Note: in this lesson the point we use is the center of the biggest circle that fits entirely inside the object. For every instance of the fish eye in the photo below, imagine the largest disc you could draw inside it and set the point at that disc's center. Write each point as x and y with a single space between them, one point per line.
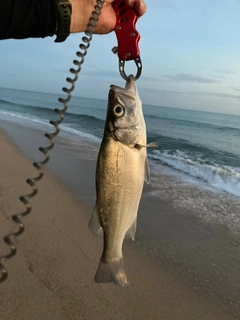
118 110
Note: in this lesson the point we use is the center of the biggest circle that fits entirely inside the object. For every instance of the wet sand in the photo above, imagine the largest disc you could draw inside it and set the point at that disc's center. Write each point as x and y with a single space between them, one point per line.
51 277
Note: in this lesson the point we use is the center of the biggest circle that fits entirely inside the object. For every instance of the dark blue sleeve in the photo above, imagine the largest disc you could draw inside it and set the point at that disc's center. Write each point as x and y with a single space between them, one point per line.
20 19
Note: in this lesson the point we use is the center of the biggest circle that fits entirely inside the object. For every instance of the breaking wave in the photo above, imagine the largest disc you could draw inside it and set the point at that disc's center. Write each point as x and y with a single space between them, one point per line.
223 178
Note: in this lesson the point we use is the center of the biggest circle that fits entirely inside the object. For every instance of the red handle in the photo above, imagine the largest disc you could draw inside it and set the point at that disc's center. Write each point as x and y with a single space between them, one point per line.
125 30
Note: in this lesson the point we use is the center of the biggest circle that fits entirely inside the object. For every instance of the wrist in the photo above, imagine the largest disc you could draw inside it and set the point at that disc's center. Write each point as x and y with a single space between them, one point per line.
64 10
80 15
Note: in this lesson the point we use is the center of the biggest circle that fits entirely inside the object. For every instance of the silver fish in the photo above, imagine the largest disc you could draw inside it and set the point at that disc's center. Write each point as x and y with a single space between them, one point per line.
122 167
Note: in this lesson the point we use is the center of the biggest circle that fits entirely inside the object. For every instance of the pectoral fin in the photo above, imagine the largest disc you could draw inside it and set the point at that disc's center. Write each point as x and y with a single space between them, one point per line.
149 145
147 172
152 145
94 223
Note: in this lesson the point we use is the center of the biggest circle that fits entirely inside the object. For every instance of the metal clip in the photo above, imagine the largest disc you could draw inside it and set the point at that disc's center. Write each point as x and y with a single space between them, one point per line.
121 64
127 36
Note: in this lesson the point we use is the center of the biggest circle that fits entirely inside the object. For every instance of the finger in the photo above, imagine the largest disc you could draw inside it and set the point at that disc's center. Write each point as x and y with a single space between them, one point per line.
138 6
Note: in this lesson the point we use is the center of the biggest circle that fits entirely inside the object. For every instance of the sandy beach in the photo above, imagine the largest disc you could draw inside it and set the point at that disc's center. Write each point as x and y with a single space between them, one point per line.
51 277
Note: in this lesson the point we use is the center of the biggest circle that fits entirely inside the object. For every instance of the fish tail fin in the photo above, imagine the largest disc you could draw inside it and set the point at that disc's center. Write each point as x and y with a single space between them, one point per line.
111 271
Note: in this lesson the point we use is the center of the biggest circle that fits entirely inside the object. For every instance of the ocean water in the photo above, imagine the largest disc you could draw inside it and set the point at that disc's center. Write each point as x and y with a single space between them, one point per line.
203 147
195 169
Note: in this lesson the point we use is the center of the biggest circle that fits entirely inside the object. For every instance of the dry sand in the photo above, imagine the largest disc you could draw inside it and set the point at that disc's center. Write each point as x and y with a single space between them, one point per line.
51 277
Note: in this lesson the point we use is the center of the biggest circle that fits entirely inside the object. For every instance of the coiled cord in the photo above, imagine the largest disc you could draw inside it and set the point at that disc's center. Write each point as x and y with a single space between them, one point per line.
38 165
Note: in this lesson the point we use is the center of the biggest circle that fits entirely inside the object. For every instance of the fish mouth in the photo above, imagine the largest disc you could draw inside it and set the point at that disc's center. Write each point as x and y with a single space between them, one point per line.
129 94
131 84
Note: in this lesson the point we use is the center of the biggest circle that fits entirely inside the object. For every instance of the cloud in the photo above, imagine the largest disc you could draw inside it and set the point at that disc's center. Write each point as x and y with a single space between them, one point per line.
161 91
235 88
180 77
223 95
223 71
173 93
187 77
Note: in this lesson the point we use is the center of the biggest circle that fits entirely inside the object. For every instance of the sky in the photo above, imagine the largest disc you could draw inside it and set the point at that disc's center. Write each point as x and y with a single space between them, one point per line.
190 51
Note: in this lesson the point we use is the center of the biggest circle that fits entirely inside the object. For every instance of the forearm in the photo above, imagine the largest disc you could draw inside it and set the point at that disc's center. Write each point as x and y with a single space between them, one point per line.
21 19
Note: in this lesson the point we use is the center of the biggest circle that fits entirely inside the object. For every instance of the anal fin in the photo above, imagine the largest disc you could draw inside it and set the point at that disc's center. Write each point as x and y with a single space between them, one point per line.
130 234
94 223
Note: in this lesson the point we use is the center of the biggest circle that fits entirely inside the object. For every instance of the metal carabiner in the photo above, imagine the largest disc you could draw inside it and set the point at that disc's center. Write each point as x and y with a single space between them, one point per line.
127 36
121 64
138 63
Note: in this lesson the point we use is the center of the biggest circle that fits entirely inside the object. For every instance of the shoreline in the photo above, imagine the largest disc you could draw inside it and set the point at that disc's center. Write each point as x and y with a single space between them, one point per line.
155 275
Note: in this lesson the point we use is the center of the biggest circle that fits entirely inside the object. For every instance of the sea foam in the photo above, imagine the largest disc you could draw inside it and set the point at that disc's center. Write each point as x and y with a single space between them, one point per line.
223 178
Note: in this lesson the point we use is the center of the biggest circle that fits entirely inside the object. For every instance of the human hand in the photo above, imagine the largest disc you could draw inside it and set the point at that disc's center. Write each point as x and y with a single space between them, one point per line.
82 10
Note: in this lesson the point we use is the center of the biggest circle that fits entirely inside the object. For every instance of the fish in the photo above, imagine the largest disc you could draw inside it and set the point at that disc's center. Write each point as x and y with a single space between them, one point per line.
122 168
